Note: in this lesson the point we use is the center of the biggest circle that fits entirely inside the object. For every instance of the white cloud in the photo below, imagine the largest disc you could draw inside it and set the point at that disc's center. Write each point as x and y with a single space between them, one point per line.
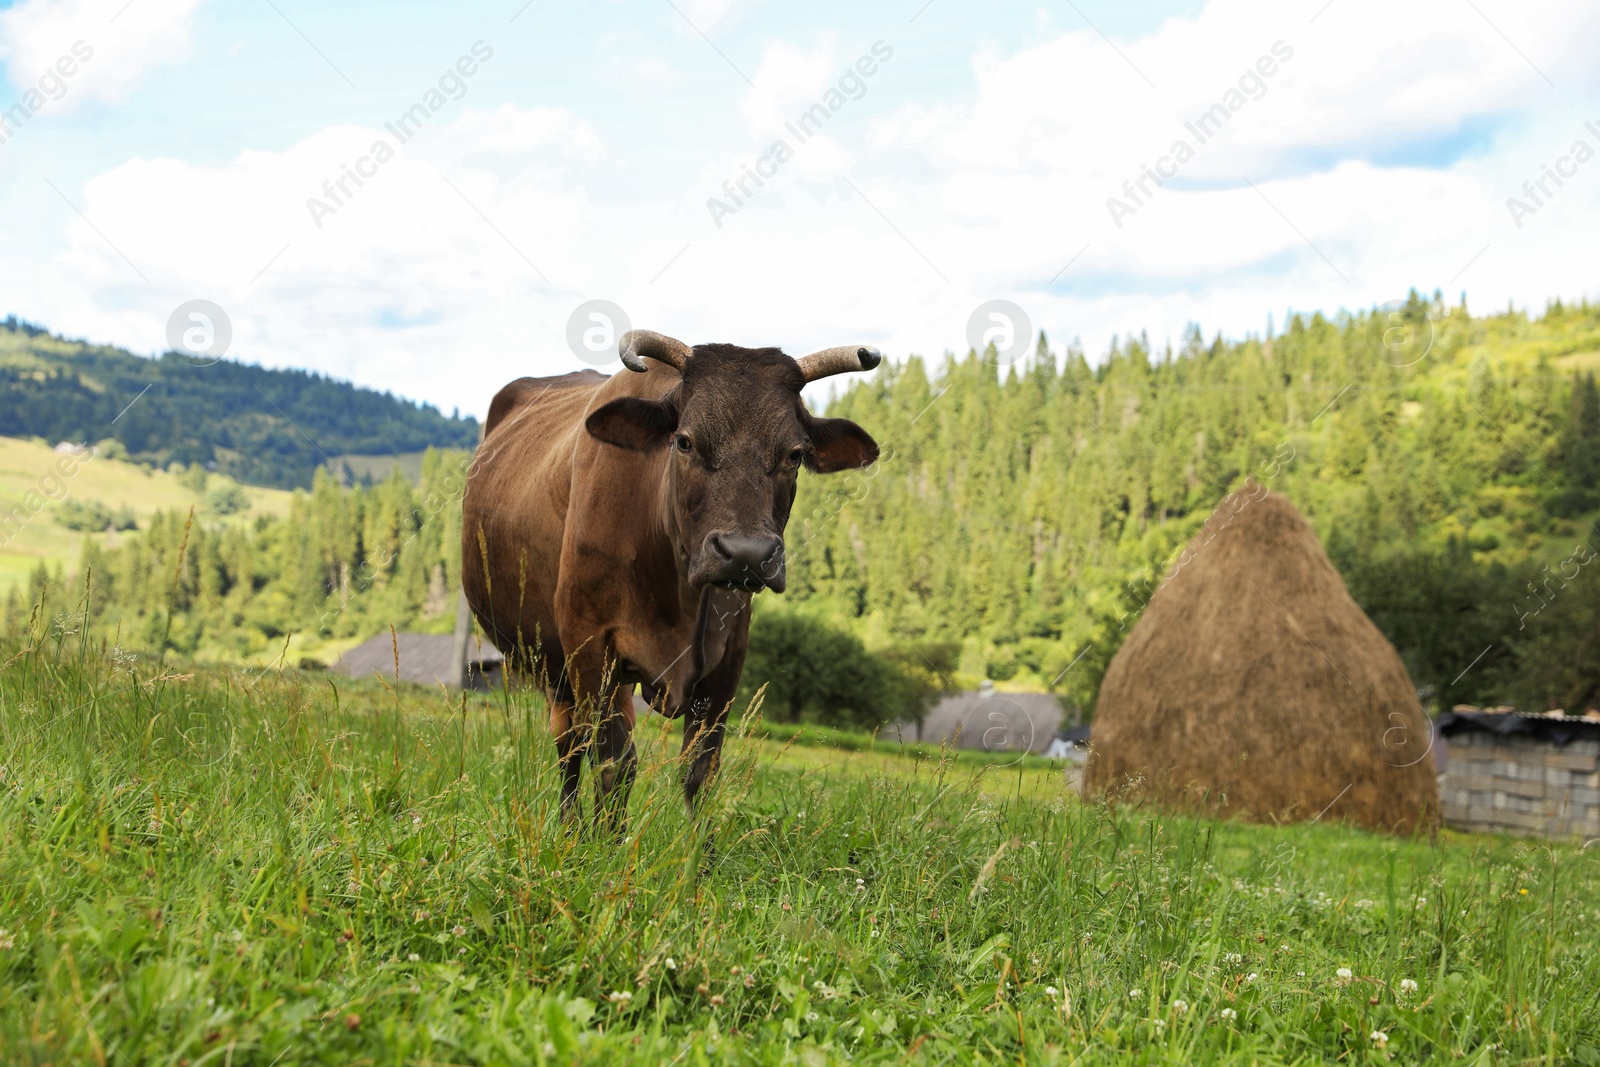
788 80
403 286
125 42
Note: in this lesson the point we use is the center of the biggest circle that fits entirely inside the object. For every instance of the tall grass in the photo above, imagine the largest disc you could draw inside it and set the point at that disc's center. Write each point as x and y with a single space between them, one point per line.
231 867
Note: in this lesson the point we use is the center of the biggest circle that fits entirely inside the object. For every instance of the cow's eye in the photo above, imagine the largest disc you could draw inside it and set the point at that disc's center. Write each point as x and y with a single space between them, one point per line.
683 442
796 454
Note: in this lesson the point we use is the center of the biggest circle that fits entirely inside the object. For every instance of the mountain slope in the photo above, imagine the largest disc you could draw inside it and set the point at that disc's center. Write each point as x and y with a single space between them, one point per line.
261 426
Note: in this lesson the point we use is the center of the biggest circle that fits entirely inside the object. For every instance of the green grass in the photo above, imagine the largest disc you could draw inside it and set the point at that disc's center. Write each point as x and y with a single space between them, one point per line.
215 866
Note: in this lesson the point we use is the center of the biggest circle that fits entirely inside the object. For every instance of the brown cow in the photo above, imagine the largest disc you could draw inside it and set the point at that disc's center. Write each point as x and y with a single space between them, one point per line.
615 529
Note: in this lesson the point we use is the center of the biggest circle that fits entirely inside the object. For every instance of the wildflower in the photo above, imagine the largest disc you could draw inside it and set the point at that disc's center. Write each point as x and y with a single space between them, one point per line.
1229 1013
1051 991
749 981
353 888
784 905
875 933
738 905
1302 974
461 951
1408 985
1364 903
1233 957
1135 994
1181 1007
415 988
811 1016
421 914
621 996
717 1001
413 957
1161 1024
672 964
235 936
1379 1038
1344 974
735 970
1524 892
1422 902
8 940
458 929
703 989
1251 977
416 820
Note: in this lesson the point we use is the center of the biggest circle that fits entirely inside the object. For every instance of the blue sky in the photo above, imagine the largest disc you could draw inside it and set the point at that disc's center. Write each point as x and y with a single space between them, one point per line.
583 160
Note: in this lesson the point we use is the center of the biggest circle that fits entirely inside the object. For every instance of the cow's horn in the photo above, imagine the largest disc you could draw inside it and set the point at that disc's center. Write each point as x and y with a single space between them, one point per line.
841 360
637 345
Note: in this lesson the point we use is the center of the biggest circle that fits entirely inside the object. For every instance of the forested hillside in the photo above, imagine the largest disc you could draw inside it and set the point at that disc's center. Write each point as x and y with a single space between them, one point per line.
1031 514
260 426
1025 518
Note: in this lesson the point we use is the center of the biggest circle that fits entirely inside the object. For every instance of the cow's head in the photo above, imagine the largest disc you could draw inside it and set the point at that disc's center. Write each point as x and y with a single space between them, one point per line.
738 434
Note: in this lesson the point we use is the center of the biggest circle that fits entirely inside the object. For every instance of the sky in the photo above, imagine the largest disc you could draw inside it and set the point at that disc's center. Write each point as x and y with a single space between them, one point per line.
743 171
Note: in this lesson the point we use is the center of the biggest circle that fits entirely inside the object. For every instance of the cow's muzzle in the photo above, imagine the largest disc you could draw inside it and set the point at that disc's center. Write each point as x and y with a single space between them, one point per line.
743 561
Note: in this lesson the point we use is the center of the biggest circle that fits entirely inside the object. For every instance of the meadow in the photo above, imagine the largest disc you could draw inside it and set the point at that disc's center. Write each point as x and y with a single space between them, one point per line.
204 865
116 483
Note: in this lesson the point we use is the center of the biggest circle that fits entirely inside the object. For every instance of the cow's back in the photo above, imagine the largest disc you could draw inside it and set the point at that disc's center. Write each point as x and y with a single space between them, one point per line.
515 508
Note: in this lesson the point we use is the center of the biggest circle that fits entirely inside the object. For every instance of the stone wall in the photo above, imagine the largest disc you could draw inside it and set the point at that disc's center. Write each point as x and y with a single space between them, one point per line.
1522 785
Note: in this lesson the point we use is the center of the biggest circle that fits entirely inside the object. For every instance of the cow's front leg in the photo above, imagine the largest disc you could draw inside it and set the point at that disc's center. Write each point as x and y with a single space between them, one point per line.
615 761
703 729
571 740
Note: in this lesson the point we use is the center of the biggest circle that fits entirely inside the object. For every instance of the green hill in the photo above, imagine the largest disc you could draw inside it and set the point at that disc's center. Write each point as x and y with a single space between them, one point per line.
1032 514
261 426
52 525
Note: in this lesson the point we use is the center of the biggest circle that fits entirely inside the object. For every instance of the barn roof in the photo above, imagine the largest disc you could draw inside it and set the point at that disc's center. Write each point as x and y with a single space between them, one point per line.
424 658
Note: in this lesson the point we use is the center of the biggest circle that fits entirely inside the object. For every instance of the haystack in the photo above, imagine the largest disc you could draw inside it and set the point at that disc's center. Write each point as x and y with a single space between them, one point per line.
1254 686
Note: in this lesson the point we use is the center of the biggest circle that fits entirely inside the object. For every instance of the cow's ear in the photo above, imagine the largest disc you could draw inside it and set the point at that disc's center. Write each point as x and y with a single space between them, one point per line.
839 445
633 422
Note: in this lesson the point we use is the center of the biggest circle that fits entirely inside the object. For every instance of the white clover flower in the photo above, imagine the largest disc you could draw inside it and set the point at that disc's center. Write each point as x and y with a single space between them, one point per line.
1408 985
1161 1024
672 964
621 996
1344 974
458 929
811 1016
1251 977
1379 1038
1364 903
413 957
416 820
1135 994
1233 957
1051 991
8 940
1181 1007
1228 1013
